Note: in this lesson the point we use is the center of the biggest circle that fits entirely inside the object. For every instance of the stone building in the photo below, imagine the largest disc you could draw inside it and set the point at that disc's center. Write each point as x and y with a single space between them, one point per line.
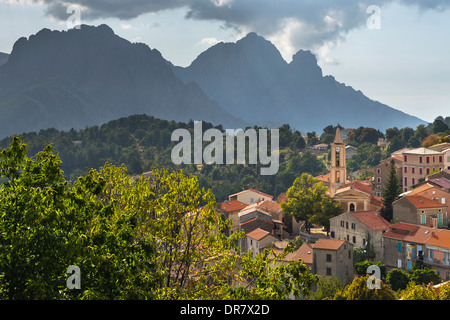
360 228
419 210
333 258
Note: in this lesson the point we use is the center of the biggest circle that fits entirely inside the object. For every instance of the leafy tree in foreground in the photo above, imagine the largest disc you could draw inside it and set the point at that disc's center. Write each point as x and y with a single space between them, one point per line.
156 238
418 292
358 290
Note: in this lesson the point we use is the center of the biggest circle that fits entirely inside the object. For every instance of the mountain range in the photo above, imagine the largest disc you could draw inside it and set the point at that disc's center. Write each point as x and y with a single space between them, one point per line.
89 76
251 80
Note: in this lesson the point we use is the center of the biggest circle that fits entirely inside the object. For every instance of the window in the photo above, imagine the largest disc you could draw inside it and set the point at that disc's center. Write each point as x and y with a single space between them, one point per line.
405 169
342 223
379 171
428 171
443 200
399 246
406 181
422 219
420 160
413 181
420 171
405 158
332 234
349 254
328 271
346 224
352 208
399 263
413 170
354 239
379 180
328 257
440 159
353 226
428 159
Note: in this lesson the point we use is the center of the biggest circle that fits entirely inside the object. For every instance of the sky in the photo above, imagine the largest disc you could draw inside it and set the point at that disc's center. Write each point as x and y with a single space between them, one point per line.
394 51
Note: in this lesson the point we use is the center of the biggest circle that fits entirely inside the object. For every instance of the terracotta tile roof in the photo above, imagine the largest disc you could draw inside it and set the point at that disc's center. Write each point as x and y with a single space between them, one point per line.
282 197
378 201
356 185
231 206
305 253
330 244
406 227
441 239
394 235
422 202
258 234
371 219
323 177
254 190
270 205
422 234
400 230
359 185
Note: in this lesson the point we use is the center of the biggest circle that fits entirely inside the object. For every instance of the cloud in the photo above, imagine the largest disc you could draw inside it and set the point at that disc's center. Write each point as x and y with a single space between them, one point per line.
290 24
209 41
125 26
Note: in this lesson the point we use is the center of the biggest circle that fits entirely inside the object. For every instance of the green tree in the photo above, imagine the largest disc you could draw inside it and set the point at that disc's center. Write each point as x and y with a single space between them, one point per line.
326 288
391 191
397 279
439 126
444 291
361 267
157 238
424 276
418 292
329 208
305 199
359 290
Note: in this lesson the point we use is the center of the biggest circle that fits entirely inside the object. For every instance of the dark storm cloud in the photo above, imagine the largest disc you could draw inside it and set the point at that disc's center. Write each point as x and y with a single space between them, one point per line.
321 21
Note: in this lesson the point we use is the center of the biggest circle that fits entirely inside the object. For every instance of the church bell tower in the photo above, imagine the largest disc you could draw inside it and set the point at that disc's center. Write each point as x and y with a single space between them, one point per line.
338 172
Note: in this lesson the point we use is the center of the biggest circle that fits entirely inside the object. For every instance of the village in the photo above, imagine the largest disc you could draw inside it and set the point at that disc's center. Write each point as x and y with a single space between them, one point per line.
418 229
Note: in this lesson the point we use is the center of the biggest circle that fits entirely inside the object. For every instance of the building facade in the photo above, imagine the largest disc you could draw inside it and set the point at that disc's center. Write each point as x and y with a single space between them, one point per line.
381 173
419 163
333 258
361 228
420 211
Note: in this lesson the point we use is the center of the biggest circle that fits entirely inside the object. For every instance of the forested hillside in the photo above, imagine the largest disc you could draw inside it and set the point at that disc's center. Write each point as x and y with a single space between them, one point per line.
142 142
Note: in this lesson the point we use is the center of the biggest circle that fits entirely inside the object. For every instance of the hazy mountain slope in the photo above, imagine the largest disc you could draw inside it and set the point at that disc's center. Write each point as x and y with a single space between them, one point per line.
3 57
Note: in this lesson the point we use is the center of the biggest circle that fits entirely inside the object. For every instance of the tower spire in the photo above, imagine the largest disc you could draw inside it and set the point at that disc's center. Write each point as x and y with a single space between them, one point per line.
338 137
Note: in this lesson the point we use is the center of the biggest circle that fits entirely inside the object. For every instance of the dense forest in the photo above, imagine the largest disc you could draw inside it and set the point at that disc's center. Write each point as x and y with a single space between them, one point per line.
142 142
